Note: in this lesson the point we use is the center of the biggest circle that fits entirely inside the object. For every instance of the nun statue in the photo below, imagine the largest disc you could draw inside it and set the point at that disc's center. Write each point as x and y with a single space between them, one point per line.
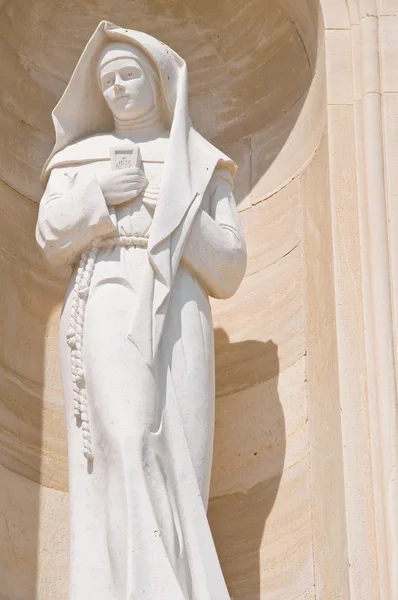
141 206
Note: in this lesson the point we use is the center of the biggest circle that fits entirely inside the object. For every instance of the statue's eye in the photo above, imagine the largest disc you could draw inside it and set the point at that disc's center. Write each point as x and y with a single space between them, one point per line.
108 81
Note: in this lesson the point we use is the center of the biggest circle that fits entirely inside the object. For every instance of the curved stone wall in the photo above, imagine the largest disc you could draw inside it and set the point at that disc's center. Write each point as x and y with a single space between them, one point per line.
257 75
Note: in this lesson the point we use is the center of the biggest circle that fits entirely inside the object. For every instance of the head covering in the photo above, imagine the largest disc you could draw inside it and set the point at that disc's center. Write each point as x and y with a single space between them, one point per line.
189 165
116 50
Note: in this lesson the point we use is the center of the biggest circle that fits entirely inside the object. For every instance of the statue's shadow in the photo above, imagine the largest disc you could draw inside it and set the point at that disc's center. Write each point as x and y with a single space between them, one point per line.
238 517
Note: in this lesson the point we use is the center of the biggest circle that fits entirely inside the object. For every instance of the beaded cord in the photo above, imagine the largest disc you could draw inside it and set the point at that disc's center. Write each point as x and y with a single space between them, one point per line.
74 335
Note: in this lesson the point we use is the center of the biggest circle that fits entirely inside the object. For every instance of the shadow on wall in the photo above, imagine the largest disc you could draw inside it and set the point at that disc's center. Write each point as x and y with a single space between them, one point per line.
257 61
29 294
238 519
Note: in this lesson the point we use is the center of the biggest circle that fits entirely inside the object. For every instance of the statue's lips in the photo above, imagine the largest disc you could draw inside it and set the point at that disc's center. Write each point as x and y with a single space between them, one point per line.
120 98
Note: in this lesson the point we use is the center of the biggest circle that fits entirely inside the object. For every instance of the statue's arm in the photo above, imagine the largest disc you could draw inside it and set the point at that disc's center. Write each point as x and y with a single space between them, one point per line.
215 250
72 213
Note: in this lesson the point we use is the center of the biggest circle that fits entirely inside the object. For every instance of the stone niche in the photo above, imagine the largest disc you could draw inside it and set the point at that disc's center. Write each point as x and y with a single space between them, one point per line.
258 90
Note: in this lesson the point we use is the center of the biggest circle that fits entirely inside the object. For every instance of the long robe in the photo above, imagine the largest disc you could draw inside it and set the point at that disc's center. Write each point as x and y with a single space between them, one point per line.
138 512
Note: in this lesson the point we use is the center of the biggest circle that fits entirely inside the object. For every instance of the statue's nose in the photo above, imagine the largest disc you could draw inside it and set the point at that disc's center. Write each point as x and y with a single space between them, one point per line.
118 85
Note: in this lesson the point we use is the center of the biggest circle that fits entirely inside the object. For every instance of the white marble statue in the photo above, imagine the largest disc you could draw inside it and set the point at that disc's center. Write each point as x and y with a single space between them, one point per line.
142 207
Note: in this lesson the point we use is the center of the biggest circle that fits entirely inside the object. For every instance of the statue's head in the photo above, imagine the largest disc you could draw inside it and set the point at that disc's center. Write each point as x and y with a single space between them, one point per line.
128 82
125 81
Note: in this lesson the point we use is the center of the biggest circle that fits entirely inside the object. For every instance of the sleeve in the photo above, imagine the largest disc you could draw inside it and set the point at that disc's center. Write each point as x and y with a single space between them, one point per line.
72 213
215 251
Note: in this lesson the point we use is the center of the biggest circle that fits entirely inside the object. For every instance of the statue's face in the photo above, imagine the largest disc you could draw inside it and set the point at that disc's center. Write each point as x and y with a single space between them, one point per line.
126 88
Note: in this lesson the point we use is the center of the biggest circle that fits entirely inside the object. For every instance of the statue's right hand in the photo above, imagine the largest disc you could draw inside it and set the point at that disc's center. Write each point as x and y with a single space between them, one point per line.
122 185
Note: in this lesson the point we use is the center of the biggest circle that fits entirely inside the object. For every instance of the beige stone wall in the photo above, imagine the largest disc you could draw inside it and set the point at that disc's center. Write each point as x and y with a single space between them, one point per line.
304 96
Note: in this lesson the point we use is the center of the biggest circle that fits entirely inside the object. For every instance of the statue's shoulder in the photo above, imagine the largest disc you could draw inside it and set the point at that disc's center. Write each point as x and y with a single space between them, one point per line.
85 150
199 144
89 149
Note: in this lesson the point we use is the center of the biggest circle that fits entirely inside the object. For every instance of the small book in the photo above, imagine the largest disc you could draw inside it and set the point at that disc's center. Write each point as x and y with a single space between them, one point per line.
125 157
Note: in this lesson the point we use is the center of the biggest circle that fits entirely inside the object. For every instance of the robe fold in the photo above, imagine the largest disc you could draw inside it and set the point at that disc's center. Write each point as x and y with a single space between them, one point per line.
138 525
138 517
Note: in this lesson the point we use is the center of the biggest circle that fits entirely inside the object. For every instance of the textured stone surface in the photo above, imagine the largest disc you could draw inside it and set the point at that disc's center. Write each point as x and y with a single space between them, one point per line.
259 333
281 342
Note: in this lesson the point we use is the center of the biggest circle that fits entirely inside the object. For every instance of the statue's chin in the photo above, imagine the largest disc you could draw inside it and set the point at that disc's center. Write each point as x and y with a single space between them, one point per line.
124 113
128 113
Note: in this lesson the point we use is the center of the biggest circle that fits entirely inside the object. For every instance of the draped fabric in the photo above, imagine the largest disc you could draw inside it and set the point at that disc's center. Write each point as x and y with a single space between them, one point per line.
138 511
